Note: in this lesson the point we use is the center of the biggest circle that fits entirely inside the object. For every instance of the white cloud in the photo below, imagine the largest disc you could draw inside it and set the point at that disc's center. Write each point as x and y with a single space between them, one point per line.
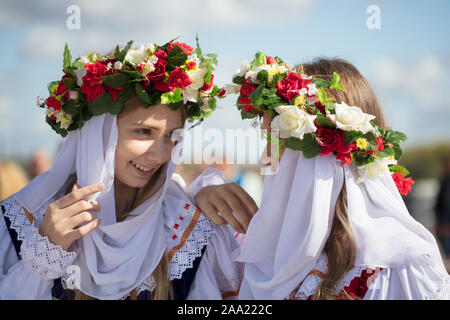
106 23
424 80
143 13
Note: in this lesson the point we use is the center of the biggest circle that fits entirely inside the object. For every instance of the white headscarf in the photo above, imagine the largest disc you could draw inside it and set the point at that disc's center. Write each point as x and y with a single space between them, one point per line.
116 257
288 233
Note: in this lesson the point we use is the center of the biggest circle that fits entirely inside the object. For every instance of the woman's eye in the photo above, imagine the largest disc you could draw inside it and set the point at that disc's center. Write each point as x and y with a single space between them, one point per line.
144 131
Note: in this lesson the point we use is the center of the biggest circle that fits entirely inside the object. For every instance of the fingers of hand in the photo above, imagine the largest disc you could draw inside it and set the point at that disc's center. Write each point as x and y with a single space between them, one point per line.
238 207
227 213
211 212
84 230
247 200
78 194
79 219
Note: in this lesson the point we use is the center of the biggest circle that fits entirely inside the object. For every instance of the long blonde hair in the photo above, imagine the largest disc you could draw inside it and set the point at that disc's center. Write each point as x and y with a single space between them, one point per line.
340 246
163 290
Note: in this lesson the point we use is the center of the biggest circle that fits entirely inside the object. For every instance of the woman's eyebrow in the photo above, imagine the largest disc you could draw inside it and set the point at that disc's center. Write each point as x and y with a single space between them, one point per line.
142 124
149 126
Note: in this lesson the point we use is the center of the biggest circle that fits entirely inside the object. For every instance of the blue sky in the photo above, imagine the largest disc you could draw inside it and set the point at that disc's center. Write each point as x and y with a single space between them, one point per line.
407 61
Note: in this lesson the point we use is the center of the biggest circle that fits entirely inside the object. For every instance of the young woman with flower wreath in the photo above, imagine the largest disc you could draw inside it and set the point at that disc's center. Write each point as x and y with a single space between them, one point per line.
332 223
110 219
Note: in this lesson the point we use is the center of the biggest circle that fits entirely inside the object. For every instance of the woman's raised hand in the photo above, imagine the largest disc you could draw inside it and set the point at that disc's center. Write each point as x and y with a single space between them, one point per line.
64 219
227 203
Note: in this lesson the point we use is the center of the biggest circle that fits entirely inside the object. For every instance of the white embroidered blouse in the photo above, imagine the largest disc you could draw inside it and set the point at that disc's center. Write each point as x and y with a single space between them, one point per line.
188 229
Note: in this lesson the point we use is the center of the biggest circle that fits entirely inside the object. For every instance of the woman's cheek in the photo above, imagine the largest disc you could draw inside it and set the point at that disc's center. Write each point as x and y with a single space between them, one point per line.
136 148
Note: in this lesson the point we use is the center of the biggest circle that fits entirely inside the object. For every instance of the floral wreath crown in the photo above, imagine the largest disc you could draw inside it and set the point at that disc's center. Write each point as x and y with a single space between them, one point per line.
174 74
310 121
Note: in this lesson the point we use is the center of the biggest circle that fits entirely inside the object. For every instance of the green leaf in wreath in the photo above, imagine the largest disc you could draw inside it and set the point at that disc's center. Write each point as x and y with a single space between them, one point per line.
308 145
399 168
126 93
176 57
293 143
101 104
398 151
323 121
52 86
259 60
238 80
70 107
67 61
117 53
124 52
386 152
322 96
248 115
215 91
321 83
351 136
69 82
263 76
115 107
256 94
55 127
142 94
394 137
197 50
335 82
117 80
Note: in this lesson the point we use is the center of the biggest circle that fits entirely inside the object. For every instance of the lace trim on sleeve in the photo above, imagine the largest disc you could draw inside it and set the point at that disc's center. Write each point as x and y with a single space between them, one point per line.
45 258
189 235
312 281
48 260
148 284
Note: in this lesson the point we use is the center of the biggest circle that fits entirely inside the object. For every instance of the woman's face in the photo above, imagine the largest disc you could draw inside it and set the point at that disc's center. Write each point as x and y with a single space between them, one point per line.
144 143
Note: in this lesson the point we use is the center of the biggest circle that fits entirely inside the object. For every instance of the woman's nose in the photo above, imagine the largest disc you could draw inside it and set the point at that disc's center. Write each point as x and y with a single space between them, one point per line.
159 151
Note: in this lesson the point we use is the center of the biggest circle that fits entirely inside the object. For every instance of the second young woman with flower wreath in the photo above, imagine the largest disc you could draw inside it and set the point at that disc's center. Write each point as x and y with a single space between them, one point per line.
332 223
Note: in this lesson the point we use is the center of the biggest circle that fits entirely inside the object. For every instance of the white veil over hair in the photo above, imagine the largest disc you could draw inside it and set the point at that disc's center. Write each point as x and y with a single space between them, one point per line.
288 233
117 256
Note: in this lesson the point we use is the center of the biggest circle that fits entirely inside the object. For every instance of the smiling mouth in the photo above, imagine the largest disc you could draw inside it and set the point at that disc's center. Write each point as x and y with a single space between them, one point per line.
141 168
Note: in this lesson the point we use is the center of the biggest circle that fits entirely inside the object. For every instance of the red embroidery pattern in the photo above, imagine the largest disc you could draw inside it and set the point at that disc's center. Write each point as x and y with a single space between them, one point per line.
228 294
186 234
29 215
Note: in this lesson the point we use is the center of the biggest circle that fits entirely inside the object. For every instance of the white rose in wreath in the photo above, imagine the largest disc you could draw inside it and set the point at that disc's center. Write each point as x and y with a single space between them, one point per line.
293 122
136 55
349 118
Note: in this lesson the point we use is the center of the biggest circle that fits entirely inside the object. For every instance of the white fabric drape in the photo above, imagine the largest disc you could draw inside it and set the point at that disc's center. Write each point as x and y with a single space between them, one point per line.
287 235
115 257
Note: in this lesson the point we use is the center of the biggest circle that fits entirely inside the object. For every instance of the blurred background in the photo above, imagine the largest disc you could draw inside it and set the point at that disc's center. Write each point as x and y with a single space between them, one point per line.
402 47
